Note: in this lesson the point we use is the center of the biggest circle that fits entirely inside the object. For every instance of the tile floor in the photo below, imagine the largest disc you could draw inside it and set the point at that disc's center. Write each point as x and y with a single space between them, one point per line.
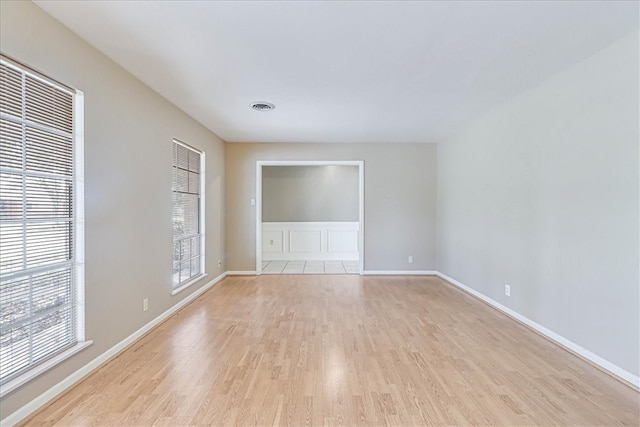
311 267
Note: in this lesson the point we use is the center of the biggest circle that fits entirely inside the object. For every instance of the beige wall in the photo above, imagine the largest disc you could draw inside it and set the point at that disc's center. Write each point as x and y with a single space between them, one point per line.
310 193
399 201
542 194
128 134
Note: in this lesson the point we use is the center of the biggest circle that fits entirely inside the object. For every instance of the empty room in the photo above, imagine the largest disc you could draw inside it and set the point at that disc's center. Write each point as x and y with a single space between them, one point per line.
286 213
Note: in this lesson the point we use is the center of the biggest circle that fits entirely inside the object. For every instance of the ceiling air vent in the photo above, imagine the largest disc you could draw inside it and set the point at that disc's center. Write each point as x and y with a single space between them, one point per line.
262 106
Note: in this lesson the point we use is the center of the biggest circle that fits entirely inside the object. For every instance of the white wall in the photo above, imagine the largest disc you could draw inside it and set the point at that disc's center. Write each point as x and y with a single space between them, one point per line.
542 194
128 163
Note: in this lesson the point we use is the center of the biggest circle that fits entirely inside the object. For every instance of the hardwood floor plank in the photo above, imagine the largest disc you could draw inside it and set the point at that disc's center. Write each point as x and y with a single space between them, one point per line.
342 350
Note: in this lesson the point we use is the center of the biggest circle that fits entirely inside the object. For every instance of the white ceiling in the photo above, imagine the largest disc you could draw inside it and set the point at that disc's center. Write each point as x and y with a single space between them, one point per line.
344 71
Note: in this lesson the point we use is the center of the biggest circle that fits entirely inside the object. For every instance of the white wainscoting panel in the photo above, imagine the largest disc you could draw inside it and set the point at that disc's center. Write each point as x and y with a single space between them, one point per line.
310 241
305 241
273 241
342 241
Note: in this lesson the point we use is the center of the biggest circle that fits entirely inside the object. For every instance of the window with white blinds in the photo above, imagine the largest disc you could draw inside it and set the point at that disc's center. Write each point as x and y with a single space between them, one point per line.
38 283
188 225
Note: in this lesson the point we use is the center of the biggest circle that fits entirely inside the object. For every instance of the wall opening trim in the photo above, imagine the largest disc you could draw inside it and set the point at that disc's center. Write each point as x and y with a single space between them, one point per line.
261 163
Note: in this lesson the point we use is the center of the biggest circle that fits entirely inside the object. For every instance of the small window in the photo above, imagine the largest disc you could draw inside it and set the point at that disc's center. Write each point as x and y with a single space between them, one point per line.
188 206
41 257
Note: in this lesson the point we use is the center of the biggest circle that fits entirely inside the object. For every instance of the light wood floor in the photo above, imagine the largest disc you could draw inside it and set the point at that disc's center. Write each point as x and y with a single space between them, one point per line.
343 350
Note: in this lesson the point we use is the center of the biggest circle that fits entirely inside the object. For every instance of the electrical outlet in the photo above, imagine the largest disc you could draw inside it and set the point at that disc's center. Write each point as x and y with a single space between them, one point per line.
145 304
507 290
219 264
410 259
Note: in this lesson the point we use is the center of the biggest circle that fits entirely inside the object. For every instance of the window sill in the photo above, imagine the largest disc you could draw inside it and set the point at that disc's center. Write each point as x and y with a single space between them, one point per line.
189 283
43 367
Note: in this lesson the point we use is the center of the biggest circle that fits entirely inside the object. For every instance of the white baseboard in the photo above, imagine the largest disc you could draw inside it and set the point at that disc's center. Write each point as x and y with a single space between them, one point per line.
241 273
559 339
87 369
400 273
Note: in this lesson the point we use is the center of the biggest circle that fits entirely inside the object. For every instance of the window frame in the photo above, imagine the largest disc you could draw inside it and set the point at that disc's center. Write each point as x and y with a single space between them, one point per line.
177 288
77 262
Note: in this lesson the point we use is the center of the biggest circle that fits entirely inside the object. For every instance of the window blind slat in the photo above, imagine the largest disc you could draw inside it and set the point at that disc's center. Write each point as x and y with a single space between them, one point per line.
12 247
194 183
182 156
37 289
14 301
48 105
194 161
186 214
51 327
51 289
10 91
48 198
195 245
47 243
11 196
10 144
47 152
182 180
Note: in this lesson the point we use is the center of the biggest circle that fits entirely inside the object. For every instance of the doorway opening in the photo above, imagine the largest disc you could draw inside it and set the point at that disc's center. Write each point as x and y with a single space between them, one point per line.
305 225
